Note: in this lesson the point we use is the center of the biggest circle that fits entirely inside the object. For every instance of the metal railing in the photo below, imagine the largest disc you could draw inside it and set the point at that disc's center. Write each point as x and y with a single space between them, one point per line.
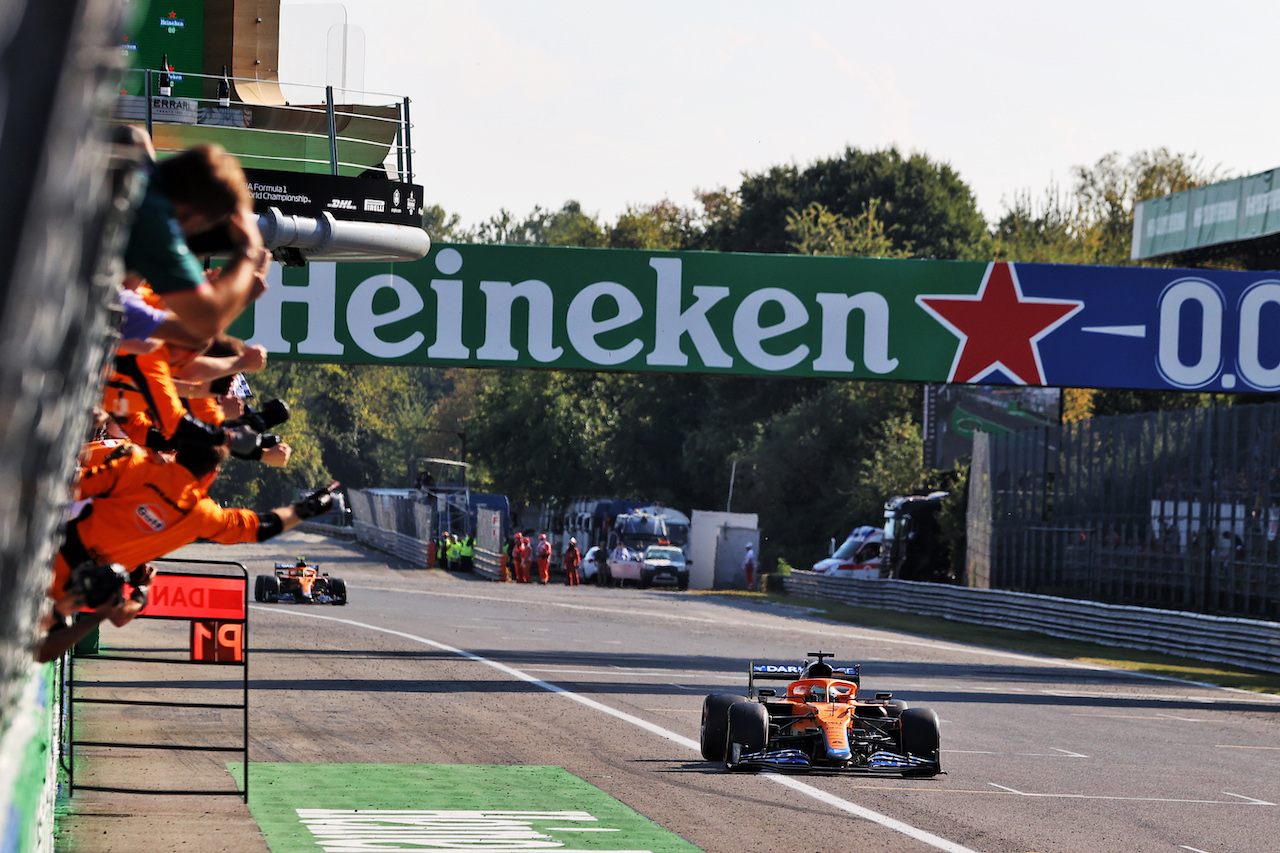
323 126
77 692
1250 643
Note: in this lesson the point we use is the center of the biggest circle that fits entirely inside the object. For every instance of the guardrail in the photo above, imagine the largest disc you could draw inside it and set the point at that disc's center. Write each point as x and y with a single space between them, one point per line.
487 564
407 548
320 528
1250 643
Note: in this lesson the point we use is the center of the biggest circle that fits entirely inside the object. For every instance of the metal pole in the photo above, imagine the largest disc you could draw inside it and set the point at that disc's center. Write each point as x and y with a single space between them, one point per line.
400 151
728 507
147 87
333 132
244 665
408 144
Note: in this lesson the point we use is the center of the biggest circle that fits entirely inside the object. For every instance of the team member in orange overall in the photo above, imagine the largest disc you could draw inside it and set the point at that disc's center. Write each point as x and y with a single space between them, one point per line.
544 559
518 558
147 383
572 559
145 506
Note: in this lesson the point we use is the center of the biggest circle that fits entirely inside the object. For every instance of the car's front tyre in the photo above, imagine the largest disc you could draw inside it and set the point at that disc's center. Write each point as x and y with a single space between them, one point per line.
338 590
748 732
714 732
920 738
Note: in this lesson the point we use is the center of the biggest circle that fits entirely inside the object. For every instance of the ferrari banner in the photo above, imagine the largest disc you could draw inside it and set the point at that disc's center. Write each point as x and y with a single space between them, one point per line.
782 315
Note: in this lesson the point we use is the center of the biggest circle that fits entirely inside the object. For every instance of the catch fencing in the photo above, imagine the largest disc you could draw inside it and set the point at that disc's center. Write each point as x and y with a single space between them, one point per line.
1250 643
1172 510
393 522
398 523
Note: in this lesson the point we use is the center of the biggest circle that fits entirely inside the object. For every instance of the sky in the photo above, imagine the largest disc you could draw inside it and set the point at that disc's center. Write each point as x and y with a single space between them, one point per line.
623 103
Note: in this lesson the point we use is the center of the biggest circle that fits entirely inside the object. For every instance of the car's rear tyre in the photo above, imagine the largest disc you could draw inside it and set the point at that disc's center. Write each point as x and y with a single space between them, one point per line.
270 588
748 732
895 707
920 738
715 724
338 590
258 585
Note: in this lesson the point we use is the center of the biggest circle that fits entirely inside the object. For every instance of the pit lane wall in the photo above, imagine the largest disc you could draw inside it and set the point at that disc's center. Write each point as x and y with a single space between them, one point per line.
28 768
1251 643
60 230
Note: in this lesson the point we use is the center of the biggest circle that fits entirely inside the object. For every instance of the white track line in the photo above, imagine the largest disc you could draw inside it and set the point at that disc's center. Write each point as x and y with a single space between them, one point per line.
843 805
851 632
1249 801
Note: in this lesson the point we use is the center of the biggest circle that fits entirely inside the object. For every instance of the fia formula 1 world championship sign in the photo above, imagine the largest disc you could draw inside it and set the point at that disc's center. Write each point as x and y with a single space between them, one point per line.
783 315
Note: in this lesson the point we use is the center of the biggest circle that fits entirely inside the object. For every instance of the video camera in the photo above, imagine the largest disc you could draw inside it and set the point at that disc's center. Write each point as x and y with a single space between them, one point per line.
272 413
97 582
318 502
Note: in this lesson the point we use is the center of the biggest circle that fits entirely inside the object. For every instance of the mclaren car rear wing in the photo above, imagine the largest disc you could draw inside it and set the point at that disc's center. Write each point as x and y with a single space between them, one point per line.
793 672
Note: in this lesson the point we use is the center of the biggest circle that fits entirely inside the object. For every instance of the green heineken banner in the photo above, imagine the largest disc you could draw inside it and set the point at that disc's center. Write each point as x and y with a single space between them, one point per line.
785 315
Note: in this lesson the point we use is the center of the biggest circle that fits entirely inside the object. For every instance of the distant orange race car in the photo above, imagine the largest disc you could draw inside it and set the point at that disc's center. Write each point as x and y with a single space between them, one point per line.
300 583
818 722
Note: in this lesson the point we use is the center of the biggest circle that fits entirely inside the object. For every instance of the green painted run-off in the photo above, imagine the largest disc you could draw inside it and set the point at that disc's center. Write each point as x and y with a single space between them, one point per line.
355 808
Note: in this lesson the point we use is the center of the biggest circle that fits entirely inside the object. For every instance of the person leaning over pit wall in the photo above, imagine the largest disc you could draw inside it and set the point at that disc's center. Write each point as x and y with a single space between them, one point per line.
221 401
144 506
149 383
192 192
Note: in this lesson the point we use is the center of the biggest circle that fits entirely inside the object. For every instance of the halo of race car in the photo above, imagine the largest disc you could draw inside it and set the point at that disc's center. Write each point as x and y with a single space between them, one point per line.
818 723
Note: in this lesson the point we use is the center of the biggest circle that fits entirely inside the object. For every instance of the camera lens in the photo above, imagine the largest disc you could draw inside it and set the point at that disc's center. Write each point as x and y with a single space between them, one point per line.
274 412
97 582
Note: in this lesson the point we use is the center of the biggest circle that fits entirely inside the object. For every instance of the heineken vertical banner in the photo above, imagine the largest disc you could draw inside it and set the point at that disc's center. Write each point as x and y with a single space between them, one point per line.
782 315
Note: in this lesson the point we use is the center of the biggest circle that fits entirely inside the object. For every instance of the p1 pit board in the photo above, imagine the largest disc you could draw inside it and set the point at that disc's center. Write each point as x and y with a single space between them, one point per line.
359 808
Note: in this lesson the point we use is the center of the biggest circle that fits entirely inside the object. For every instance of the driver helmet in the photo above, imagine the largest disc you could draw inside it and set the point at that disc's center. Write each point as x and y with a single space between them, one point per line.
573 540
542 536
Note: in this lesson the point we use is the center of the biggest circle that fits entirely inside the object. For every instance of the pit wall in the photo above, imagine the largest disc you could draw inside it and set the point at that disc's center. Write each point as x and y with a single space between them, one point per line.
28 765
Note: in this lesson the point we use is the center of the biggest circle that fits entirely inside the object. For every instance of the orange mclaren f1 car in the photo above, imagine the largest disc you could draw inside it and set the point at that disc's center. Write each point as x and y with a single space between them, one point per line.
300 583
819 722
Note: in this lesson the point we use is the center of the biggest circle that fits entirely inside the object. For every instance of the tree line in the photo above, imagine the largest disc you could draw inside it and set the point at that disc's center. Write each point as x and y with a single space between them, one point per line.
813 457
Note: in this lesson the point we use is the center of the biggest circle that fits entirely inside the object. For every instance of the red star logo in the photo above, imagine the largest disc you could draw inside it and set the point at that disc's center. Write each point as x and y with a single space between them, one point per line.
998 328
173 14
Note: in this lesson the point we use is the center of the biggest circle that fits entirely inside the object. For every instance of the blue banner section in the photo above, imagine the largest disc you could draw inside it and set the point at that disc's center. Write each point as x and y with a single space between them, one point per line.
1160 328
